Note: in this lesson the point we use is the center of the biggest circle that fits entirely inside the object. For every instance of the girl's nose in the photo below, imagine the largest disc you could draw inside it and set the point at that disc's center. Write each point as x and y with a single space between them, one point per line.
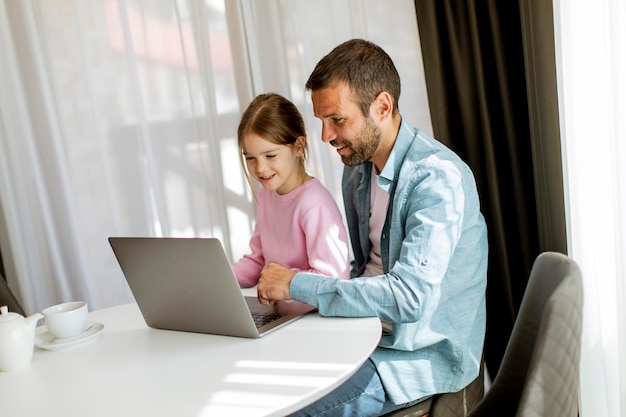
259 167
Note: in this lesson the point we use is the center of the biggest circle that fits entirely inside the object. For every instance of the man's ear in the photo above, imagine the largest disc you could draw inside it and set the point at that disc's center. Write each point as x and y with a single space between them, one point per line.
382 107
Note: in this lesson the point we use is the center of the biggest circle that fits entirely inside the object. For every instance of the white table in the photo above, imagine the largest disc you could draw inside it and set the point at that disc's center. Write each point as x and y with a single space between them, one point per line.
132 370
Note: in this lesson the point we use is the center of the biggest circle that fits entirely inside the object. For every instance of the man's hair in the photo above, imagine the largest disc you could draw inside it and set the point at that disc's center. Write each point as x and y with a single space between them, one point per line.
364 66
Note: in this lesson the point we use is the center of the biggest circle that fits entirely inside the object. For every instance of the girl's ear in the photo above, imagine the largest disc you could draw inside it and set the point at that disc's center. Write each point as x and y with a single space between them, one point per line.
299 146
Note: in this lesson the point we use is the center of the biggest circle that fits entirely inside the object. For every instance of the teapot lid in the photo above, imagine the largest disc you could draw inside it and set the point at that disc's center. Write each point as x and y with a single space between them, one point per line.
6 316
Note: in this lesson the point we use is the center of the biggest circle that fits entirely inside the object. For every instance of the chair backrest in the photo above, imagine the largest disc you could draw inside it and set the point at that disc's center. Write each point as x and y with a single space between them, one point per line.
7 298
539 373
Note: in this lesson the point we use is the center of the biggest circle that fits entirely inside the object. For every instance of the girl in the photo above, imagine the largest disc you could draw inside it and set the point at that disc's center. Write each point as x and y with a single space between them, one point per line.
298 223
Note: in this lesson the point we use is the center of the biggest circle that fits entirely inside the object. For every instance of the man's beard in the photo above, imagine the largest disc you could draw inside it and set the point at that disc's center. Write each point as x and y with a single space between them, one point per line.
363 149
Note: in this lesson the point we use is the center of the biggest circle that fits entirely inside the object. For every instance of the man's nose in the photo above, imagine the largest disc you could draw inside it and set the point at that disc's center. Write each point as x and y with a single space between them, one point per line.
328 133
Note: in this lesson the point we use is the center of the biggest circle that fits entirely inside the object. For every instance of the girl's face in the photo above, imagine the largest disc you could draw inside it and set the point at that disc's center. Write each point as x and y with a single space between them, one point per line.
276 167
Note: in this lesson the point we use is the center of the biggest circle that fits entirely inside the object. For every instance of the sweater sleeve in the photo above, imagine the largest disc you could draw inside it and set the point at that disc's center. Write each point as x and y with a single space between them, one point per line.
248 268
326 239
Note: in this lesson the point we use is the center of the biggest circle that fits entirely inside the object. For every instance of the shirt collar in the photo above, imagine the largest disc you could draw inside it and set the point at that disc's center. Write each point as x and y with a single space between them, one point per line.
391 170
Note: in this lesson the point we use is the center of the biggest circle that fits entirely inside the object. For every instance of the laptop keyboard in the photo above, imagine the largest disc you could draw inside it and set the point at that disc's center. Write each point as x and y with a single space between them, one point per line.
261 319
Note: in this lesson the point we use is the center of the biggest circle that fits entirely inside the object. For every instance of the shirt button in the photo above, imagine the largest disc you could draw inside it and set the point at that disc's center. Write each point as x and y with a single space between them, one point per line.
424 262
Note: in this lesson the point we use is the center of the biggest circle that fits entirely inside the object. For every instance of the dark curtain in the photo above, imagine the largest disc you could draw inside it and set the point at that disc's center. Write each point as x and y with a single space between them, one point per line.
474 65
2 273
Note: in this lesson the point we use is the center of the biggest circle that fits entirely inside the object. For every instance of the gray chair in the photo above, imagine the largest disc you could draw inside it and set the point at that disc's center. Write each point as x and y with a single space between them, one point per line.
539 373
7 298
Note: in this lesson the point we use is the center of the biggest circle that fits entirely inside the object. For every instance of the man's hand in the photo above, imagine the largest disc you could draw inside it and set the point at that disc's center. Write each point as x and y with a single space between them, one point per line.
274 284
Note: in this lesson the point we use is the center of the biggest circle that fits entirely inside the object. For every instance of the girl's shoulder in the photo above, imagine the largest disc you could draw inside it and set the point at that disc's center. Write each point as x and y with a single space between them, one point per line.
314 187
314 194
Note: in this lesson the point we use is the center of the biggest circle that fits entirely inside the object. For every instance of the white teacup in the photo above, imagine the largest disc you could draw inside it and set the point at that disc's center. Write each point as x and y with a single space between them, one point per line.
66 319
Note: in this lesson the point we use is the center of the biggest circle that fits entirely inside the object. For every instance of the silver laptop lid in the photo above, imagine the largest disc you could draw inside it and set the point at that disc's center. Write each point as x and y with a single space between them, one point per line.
187 284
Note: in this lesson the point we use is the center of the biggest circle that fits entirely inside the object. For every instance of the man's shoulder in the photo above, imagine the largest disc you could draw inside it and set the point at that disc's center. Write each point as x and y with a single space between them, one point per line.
426 152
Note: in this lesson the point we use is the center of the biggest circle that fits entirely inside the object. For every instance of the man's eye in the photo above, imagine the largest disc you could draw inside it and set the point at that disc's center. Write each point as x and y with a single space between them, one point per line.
270 156
337 120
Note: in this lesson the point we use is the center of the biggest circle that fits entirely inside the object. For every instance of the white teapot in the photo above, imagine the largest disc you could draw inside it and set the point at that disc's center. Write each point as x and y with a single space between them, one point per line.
17 339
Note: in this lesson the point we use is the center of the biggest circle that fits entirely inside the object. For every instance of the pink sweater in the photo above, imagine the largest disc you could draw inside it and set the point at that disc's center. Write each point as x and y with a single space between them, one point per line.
301 230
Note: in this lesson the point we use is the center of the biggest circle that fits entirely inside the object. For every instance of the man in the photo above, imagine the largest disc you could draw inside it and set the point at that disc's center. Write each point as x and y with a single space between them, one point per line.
418 237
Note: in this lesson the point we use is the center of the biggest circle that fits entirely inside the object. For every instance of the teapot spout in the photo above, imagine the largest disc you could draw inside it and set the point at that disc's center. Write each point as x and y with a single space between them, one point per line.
31 321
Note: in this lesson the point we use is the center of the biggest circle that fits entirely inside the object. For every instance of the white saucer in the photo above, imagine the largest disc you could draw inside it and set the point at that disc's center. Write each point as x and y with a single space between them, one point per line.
47 341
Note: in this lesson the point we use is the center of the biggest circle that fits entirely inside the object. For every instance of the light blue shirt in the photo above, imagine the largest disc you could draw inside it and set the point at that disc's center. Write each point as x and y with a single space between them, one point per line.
434 254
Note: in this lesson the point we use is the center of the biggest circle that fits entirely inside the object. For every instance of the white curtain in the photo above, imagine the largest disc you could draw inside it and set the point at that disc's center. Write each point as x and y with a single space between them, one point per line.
591 57
119 117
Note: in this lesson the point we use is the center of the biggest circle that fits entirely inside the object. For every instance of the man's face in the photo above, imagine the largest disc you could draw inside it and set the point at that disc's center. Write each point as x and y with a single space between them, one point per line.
355 137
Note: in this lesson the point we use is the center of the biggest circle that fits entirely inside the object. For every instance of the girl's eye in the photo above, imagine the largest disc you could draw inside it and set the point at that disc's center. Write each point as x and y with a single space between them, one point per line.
270 156
249 158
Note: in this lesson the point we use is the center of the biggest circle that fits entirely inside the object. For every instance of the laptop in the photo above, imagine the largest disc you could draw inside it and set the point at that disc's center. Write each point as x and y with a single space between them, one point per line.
187 284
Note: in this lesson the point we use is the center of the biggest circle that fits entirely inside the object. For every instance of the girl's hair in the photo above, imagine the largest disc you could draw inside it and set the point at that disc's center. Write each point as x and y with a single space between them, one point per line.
276 120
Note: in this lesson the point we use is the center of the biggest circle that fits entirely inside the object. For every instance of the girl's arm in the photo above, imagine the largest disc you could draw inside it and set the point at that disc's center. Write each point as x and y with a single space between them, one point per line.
326 240
248 268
